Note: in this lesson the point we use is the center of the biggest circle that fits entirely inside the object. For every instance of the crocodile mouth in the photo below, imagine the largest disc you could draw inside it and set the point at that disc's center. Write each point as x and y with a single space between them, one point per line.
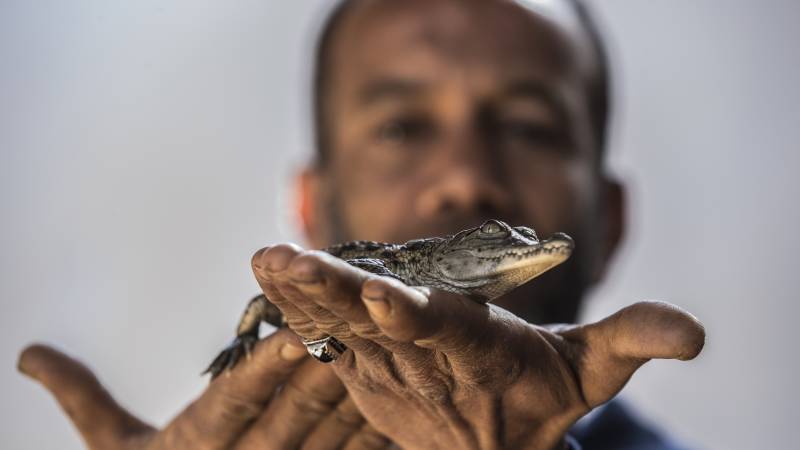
510 265
534 263
559 244
524 253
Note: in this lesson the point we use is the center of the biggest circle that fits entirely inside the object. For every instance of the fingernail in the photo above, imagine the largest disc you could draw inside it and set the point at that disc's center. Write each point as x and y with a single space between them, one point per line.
377 307
374 289
257 260
278 259
376 299
21 368
292 352
25 362
304 271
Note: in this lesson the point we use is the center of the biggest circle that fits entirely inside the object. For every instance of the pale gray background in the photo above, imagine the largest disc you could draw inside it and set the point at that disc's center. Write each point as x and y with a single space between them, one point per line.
148 147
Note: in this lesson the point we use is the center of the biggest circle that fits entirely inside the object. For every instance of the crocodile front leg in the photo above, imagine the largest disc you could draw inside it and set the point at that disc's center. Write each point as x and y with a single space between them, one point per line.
258 310
375 266
261 309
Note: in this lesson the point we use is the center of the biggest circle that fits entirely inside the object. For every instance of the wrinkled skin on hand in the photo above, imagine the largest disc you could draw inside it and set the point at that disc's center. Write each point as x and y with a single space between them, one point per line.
239 411
434 370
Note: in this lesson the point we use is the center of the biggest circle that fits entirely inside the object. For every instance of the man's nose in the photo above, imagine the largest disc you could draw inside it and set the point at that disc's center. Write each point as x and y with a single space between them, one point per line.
465 179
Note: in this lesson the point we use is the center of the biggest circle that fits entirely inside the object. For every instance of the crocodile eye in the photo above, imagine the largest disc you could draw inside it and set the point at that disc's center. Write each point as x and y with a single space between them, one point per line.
491 228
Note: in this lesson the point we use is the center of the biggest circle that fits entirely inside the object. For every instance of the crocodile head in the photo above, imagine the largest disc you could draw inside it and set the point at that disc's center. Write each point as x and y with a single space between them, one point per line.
487 261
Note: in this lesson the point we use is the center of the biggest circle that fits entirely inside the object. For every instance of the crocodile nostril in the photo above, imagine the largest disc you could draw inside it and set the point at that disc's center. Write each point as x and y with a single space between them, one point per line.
565 238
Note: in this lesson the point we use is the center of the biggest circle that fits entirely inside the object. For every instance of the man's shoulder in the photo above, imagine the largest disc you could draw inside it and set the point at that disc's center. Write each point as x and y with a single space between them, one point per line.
616 426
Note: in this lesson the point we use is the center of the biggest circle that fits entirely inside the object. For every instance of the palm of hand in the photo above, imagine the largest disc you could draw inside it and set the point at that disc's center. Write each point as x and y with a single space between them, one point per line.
498 390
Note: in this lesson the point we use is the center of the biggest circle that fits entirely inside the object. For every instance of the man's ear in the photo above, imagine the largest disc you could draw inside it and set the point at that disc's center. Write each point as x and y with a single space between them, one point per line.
613 214
308 188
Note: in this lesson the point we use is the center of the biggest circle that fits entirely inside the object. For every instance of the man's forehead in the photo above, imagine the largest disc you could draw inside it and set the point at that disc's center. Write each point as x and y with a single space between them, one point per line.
501 35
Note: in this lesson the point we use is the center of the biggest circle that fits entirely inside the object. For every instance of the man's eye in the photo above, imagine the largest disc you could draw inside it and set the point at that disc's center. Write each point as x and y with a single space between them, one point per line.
527 133
402 131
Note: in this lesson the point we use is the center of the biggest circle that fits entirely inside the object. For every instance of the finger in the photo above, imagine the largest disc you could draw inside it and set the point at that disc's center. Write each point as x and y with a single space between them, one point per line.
267 264
336 428
289 284
294 291
329 292
232 402
607 353
367 438
309 395
101 421
446 322
454 331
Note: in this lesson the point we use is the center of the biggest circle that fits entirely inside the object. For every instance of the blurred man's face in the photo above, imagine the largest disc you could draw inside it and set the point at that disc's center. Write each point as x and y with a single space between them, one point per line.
445 113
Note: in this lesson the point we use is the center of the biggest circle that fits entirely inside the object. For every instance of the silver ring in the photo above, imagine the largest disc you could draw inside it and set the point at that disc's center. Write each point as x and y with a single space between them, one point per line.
327 349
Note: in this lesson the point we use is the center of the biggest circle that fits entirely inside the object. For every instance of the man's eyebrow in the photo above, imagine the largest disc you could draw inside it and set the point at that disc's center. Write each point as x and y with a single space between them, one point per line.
537 91
388 88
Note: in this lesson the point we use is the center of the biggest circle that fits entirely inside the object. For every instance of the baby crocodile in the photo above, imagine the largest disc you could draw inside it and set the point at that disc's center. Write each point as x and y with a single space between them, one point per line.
482 263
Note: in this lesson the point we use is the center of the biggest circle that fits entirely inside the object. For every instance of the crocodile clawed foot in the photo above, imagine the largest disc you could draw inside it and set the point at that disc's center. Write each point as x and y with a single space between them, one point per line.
241 346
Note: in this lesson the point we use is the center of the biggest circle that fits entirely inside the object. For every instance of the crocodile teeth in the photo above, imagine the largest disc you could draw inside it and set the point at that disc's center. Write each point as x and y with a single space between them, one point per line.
544 249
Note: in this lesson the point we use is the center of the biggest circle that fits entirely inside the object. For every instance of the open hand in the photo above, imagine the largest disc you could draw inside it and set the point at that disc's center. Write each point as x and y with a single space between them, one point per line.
436 370
244 410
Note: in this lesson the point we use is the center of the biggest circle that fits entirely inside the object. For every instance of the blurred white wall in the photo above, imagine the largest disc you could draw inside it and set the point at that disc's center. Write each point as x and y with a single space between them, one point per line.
146 150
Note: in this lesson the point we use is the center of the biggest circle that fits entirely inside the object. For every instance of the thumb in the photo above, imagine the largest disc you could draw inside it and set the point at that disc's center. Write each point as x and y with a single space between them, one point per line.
608 352
101 421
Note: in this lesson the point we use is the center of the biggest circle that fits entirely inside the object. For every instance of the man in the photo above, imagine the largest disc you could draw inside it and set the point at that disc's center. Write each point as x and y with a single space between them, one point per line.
432 116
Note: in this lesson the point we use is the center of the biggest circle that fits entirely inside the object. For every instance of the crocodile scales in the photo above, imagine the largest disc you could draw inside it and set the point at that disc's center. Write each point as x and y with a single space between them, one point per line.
481 263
